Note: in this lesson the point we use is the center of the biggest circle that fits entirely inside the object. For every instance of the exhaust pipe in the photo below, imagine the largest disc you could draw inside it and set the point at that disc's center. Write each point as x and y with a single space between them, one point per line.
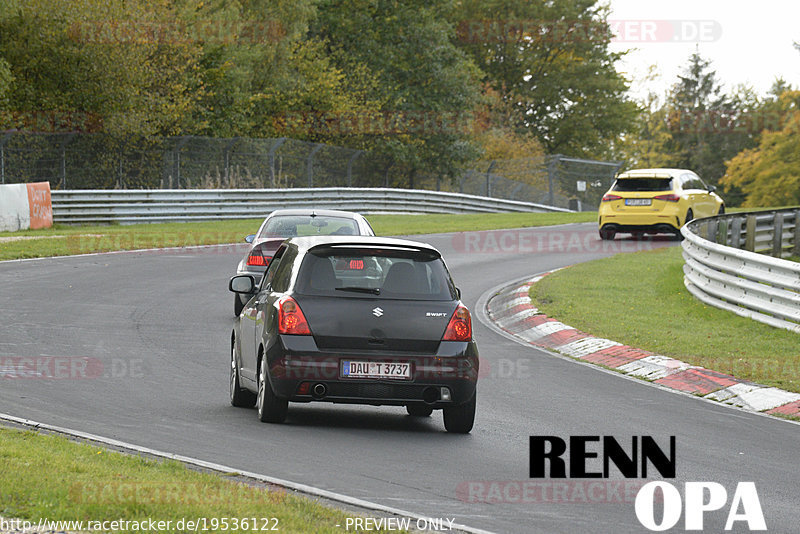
430 395
319 390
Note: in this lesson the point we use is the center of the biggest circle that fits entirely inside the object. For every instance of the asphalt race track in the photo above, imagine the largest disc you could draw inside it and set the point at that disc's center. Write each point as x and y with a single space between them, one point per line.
154 329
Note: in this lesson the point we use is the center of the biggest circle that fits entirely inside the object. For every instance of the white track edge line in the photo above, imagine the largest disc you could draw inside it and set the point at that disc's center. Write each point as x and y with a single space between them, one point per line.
301 488
132 251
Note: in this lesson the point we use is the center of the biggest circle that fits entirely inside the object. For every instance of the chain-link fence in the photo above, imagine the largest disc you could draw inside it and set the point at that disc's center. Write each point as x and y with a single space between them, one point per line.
97 161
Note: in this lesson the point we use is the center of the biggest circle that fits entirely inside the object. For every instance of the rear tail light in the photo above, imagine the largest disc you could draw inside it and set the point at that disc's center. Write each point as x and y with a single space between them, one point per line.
255 258
669 198
609 197
291 319
460 326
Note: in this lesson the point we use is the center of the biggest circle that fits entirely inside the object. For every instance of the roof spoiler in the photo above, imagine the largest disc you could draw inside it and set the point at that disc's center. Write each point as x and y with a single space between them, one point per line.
365 246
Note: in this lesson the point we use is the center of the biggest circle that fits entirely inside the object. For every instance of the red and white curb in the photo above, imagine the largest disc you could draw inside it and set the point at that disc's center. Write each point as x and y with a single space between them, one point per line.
511 310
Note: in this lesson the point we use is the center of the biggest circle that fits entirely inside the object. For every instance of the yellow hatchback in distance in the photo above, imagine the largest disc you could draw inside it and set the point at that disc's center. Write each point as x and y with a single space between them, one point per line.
655 201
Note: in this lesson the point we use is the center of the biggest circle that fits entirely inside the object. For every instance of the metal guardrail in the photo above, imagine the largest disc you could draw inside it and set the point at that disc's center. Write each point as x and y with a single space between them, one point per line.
735 262
170 205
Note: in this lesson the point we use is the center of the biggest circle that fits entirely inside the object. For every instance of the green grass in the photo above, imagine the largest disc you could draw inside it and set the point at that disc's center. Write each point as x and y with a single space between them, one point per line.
439 223
740 210
51 477
66 240
639 300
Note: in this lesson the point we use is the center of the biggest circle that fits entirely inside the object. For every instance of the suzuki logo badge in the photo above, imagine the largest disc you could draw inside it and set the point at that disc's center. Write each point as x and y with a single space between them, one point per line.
377 312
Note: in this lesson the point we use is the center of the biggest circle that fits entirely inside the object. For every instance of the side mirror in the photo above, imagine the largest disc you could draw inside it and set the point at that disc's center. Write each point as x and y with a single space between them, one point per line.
250 238
711 188
458 293
244 283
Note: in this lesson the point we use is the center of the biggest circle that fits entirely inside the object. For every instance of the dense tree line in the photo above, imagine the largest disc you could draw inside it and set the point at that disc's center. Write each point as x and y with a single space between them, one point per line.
744 142
433 85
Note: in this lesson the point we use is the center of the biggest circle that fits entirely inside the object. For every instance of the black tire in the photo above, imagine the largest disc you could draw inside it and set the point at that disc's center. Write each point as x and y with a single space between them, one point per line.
238 305
689 216
419 410
607 235
271 409
459 419
241 398
721 209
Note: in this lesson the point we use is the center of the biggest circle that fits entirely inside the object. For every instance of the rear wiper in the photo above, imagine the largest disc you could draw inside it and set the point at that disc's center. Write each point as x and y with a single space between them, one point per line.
373 290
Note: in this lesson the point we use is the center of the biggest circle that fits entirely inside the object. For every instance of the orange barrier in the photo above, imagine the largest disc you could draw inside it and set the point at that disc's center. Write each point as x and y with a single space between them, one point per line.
24 206
41 208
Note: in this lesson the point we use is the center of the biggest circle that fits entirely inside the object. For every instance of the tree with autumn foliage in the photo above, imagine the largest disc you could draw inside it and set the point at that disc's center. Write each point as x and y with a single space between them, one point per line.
698 126
769 175
218 68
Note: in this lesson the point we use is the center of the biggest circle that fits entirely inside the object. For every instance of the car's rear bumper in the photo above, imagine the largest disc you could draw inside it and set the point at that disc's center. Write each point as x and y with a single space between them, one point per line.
663 228
634 222
298 361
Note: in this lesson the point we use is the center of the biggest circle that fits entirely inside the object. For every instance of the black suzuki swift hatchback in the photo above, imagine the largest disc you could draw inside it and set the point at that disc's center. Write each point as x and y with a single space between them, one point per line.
360 320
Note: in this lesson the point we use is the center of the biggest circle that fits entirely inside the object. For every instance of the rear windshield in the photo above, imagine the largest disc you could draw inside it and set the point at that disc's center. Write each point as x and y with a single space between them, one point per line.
370 273
305 225
642 184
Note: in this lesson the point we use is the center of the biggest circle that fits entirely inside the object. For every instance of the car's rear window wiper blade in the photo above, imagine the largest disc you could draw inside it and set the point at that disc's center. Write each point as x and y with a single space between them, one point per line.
373 290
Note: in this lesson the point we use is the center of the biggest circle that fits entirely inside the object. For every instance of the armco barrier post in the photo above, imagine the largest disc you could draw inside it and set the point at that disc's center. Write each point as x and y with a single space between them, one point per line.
750 233
736 232
722 231
711 230
796 249
777 235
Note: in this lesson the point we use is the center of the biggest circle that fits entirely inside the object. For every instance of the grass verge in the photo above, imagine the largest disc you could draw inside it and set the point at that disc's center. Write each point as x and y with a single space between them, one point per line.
470 222
639 300
64 240
45 476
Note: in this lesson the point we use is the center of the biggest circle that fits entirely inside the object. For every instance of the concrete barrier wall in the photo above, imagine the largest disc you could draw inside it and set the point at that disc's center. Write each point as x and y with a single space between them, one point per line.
24 206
